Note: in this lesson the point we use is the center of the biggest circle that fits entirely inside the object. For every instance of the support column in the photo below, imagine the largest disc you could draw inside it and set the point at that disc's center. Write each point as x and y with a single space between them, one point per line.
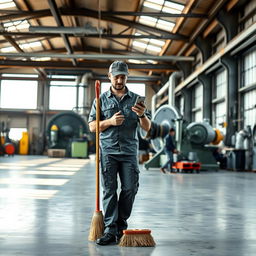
185 67
205 46
207 96
187 104
229 21
232 96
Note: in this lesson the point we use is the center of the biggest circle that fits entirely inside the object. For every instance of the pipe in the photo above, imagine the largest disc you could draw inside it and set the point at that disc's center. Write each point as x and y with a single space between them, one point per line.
67 30
85 82
171 94
168 86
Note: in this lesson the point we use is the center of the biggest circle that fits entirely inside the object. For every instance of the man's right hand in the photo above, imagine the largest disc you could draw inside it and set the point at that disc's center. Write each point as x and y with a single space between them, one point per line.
117 119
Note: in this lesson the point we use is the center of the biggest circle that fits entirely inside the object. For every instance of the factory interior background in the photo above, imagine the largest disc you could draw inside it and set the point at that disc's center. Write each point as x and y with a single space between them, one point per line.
193 60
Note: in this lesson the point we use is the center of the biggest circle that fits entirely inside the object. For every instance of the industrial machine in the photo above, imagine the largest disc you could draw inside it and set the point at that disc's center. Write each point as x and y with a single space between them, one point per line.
196 141
6 145
243 155
68 133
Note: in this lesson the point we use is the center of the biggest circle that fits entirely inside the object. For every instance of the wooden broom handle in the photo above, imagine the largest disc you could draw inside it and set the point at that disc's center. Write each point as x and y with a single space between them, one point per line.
97 93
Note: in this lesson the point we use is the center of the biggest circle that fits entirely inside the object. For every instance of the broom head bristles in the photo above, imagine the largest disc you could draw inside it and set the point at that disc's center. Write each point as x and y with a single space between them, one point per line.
97 226
137 238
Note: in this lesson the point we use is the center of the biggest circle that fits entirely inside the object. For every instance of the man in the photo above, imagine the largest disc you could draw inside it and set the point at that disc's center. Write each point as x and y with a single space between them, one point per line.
169 149
119 119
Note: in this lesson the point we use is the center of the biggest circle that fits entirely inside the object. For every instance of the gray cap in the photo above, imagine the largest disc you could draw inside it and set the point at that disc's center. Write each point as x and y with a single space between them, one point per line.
118 68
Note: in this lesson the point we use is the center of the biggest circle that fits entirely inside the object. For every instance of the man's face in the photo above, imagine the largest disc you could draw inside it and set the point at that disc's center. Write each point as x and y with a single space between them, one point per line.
118 82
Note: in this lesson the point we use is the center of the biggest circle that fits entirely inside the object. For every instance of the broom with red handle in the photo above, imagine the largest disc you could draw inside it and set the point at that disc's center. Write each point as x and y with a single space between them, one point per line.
97 224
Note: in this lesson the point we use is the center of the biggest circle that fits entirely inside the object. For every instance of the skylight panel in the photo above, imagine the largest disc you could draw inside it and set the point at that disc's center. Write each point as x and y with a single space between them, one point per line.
148 20
4 4
160 2
41 58
174 6
147 47
153 48
8 49
157 42
155 6
165 25
30 45
137 61
139 45
22 46
16 25
151 41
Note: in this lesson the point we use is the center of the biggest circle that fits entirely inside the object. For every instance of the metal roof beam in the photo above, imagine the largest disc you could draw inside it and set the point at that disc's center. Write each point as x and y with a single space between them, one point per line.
71 33
57 17
46 12
83 32
86 13
83 65
99 56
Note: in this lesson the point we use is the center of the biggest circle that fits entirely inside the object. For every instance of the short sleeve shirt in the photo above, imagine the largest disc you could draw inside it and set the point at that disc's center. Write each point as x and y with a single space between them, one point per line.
122 139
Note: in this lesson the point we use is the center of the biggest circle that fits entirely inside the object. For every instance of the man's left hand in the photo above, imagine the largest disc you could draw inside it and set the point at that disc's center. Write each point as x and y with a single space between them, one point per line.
139 109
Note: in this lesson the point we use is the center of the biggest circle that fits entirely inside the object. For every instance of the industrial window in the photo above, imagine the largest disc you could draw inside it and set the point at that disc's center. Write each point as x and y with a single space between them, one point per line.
18 94
63 93
197 101
219 100
247 15
249 88
249 69
136 88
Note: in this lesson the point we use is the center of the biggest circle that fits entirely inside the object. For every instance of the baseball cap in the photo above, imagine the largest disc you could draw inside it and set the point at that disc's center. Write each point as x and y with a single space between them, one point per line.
118 68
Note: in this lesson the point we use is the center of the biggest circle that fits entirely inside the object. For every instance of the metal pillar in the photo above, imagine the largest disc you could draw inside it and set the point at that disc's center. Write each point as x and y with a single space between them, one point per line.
229 21
187 104
205 46
207 96
232 98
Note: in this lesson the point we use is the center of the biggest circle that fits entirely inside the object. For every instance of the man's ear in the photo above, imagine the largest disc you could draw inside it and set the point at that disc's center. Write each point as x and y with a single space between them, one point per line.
109 76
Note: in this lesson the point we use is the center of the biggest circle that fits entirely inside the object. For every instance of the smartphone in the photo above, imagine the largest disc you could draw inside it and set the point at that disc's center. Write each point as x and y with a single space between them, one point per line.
139 100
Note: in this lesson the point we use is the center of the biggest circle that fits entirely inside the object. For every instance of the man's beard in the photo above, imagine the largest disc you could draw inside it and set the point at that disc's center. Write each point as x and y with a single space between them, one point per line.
118 88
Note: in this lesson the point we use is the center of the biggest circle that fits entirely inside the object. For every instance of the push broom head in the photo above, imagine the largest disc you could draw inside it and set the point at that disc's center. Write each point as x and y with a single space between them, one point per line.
137 238
97 226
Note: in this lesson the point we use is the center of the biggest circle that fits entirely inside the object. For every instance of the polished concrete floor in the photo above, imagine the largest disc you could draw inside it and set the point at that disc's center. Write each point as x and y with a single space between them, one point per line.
46 206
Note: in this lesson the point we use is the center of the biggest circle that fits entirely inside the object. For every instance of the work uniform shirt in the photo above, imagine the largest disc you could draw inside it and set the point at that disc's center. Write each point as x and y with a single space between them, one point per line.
122 139
169 145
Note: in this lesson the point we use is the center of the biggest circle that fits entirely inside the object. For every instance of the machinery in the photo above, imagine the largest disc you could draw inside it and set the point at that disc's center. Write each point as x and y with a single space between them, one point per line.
68 131
243 155
196 141
6 145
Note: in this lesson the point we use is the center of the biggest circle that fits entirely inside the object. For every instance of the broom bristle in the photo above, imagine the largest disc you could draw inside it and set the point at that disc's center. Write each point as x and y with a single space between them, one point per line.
137 238
97 226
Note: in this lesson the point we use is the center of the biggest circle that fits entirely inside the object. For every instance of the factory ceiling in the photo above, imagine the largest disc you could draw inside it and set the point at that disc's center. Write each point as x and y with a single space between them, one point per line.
155 37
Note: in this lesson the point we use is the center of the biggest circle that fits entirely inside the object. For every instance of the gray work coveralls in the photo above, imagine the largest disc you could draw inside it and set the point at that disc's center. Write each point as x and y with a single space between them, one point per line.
119 151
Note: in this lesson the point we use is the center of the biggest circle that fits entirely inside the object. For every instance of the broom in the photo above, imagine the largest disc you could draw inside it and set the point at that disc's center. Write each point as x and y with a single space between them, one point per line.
97 224
137 238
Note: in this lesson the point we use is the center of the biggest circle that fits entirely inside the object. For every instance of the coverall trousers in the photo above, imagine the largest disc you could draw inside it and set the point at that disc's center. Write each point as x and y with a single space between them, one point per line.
169 161
117 208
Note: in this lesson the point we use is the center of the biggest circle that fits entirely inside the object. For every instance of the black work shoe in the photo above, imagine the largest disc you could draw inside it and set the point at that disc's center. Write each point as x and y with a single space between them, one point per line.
106 239
162 170
119 235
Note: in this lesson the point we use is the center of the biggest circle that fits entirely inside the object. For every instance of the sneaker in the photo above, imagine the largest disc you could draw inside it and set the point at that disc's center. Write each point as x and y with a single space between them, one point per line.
162 170
106 239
